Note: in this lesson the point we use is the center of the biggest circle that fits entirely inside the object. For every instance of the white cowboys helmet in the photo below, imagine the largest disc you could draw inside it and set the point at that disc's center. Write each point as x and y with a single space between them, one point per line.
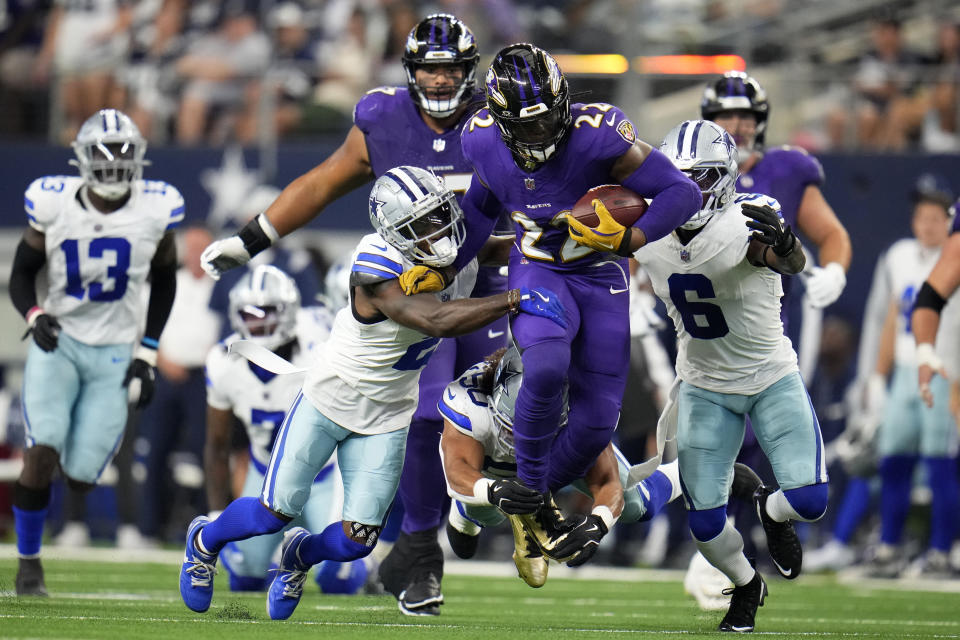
708 155
110 153
507 380
264 305
412 210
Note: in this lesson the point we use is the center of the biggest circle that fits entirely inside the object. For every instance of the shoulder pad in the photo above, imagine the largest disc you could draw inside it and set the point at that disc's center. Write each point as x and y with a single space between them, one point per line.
169 201
43 199
372 105
451 407
375 261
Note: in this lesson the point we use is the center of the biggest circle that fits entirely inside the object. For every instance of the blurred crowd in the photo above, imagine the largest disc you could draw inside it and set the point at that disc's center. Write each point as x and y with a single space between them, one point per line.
219 71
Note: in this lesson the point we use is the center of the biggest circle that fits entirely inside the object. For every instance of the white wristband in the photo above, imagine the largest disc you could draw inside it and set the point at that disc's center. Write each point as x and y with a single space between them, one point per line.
481 490
33 314
268 228
146 354
606 515
926 355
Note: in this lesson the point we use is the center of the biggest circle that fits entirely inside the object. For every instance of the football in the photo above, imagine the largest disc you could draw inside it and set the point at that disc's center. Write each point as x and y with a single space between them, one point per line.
624 205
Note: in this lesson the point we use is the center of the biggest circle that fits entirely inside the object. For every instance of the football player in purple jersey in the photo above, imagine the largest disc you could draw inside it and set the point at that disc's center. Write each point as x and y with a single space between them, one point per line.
416 125
535 154
739 104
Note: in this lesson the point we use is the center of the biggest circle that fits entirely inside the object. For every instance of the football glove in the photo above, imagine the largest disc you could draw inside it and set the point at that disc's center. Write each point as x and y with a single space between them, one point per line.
422 279
541 302
45 329
825 284
582 541
224 255
769 228
513 497
608 235
141 377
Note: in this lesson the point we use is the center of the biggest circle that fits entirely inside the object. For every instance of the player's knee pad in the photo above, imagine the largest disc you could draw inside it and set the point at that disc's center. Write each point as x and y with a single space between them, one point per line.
545 367
246 583
810 501
79 486
707 524
345 578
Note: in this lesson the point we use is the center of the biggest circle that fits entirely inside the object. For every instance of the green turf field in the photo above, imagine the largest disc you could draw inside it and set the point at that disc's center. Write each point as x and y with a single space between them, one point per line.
140 600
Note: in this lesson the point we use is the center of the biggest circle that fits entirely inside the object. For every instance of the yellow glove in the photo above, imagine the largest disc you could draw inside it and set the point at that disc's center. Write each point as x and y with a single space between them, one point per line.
608 235
422 279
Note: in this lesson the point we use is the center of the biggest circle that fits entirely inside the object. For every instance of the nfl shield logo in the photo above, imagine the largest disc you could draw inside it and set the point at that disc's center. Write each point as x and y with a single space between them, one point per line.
684 255
529 183
439 145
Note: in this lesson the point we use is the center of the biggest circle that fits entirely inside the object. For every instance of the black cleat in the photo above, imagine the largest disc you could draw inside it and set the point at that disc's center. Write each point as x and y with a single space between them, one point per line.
29 581
422 597
745 482
465 546
744 602
782 540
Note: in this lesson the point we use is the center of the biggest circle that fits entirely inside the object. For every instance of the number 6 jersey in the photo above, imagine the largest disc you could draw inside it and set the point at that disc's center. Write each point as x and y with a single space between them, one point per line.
725 310
97 263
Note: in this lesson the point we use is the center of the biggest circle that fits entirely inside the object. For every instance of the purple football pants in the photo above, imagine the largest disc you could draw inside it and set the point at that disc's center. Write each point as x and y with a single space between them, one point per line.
423 488
592 355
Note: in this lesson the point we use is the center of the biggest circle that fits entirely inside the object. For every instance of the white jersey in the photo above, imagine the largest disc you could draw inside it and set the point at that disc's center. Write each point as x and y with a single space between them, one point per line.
907 264
367 379
468 409
97 263
726 311
258 398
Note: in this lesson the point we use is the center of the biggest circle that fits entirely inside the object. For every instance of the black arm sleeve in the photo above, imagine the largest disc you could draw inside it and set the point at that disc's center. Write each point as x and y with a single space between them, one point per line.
26 265
163 288
927 298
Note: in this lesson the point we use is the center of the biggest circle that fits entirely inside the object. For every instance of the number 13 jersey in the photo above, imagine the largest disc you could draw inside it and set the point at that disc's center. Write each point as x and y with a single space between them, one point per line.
725 310
97 263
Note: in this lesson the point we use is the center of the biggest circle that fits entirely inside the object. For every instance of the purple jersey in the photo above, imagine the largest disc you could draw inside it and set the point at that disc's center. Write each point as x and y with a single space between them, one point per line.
538 200
955 227
783 173
396 135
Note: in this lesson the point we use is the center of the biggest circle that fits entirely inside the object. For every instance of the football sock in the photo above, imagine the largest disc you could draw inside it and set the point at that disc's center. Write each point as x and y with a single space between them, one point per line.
659 489
537 411
856 500
424 506
243 518
725 552
803 503
29 512
942 474
330 544
896 472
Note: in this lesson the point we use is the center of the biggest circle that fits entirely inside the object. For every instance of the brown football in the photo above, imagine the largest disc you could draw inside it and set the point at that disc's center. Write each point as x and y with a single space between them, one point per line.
624 205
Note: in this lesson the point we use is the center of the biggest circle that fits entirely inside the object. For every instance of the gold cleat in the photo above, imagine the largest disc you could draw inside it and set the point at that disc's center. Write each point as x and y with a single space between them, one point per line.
546 526
531 564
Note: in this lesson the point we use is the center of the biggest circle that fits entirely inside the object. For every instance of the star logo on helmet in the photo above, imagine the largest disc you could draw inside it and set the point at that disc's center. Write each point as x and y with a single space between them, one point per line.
376 205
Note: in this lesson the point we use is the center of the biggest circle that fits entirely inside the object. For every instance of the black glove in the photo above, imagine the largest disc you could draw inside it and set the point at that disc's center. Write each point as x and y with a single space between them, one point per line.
45 330
580 543
514 497
140 375
769 228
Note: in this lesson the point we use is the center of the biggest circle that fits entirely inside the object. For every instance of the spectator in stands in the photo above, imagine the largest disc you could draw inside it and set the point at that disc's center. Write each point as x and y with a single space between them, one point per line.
218 68
176 417
290 79
84 45
349 66
890 101
940 124
23 106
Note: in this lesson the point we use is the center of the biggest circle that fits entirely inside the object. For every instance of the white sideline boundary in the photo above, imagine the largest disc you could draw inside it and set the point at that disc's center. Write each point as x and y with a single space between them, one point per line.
506 569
